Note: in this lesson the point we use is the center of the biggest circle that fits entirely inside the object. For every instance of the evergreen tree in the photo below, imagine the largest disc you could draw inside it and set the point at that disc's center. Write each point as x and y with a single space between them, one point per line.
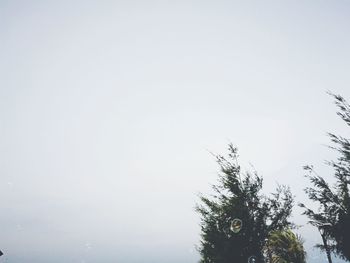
333 215
237 220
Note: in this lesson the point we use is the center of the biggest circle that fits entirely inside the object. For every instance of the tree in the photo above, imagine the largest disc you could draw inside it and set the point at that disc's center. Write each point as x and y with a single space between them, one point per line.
237 220
285 247
325 217
333 215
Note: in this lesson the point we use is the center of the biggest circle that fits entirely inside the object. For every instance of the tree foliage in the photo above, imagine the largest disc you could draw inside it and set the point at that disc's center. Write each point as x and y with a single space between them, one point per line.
333 201
238 197
285 247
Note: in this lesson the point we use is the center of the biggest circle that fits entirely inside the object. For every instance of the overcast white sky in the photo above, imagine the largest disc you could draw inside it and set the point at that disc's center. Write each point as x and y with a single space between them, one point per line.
108 111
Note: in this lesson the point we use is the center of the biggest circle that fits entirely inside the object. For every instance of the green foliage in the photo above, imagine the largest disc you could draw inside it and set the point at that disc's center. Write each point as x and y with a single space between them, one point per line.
285 247
238 196
334 201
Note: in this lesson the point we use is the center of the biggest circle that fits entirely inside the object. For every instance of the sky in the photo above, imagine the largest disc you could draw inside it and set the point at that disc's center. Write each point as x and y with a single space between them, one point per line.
109 112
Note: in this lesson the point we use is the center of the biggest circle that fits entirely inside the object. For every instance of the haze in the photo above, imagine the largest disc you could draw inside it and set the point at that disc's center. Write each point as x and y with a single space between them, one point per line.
109 111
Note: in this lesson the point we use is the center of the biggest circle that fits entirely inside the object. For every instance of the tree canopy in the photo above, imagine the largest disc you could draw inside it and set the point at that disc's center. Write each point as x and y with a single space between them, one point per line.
333 213
283 246
237 220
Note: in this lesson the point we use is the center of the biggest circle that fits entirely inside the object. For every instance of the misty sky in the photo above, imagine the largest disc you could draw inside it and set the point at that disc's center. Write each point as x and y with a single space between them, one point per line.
109 111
